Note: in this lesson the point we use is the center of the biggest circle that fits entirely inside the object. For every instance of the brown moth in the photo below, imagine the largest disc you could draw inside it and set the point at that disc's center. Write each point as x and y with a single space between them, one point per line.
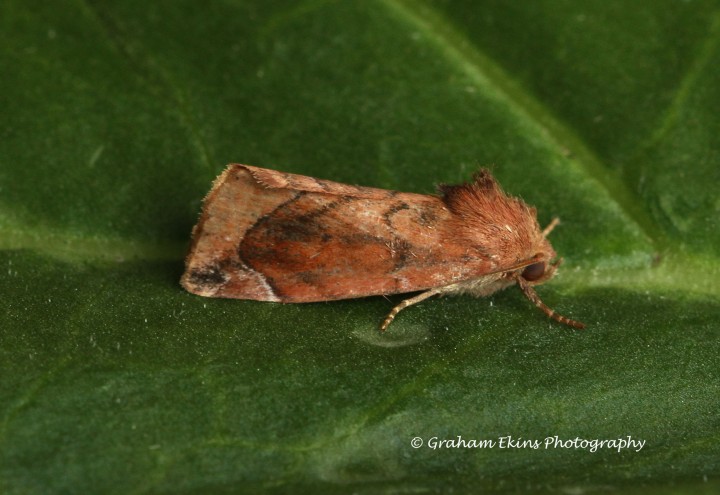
272 236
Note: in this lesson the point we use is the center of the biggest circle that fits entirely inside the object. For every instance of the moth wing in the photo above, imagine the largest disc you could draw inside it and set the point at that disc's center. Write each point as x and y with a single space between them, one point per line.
271 236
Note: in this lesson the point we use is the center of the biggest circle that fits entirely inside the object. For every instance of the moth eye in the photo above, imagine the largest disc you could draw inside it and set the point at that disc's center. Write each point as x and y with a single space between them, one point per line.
534 271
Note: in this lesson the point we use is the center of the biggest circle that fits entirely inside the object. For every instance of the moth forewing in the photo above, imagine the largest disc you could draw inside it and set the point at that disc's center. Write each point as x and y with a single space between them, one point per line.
270 236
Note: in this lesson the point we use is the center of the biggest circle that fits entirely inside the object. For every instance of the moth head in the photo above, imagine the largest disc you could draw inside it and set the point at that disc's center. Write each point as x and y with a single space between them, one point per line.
541 268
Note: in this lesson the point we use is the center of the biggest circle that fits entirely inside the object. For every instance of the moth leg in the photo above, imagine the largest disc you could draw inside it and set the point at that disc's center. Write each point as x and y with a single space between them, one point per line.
553 223
407 302
535 299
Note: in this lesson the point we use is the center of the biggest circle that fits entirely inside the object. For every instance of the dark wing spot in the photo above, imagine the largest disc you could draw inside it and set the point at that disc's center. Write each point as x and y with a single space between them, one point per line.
208 276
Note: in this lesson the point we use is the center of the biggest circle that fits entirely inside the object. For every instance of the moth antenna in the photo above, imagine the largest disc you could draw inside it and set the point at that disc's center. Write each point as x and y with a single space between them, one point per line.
535 299
407 302
553 223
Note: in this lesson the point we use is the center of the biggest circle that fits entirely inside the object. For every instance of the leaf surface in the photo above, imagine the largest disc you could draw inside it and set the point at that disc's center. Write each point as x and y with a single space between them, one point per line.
118 117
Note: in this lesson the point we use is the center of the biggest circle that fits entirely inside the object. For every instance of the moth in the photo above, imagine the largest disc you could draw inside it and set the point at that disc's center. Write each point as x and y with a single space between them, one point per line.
272 236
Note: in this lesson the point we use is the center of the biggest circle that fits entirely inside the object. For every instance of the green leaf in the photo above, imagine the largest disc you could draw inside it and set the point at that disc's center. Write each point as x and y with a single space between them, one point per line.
117 116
